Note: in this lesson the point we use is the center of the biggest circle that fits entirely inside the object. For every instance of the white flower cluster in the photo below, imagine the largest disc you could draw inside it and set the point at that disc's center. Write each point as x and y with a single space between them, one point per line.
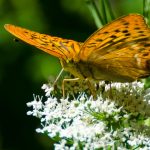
84 123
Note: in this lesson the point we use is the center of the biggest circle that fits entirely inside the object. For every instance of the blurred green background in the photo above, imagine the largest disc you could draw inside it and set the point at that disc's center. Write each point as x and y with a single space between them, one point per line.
23 68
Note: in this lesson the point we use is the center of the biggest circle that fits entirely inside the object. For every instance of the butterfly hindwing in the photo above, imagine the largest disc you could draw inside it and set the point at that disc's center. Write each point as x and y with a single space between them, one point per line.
123 63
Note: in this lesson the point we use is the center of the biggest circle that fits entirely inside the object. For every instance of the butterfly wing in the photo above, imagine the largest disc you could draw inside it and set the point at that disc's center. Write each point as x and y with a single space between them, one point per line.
118 32
120 51
61 48
122 65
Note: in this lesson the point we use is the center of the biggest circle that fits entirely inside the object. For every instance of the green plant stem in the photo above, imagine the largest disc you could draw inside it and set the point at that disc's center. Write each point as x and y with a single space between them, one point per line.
96 15
146 10
101 11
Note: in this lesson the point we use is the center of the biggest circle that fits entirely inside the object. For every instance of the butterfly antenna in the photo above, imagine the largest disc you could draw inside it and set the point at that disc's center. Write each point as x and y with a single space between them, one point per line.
58 76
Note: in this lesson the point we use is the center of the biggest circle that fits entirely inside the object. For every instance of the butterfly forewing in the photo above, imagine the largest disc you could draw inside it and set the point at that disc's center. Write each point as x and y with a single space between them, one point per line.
112 36
61 48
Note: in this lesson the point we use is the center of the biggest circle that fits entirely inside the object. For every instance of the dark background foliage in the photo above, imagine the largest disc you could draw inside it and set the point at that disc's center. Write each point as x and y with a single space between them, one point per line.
23 68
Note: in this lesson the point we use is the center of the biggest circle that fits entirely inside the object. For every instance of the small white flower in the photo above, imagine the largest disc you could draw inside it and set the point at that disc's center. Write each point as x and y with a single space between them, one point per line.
47 89
38 130
44 86
61 146
95 124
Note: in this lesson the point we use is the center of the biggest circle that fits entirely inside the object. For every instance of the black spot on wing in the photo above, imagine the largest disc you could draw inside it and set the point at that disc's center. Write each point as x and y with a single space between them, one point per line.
145 54
44 44
140 31
117 30
126 23
142 35
26 32
106 32
98 40
125 31
127 34
33 36
113 36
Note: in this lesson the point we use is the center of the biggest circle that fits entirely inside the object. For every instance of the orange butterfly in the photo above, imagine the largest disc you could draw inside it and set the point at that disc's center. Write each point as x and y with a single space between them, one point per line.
119 52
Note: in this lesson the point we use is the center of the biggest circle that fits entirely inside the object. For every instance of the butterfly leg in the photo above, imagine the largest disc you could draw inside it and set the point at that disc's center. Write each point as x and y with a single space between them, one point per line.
91 87
58 77
68 80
